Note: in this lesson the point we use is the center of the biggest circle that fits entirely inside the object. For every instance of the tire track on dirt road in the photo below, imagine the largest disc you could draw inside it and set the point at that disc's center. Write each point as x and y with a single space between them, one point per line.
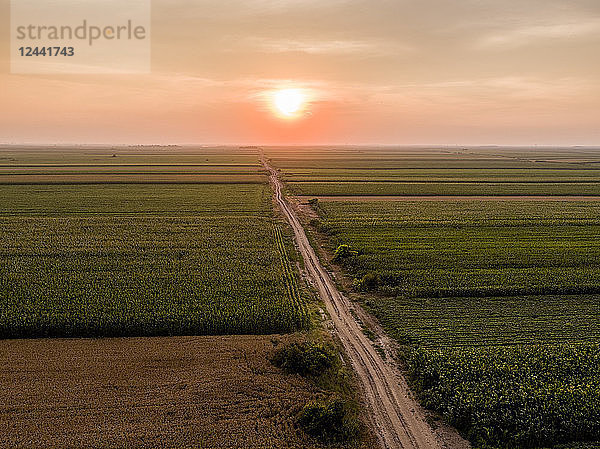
399 421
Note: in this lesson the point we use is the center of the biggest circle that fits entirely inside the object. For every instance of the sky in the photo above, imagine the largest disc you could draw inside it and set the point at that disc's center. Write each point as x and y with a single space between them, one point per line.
444 72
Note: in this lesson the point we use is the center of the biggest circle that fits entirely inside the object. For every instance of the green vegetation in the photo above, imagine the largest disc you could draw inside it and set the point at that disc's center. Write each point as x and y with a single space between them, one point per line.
343 252
305 358
451 175
496 304
329 420
136 200
431 158
519 396
443 188
453 280
139 155
470 249
144 260
431 171
464 322
333 416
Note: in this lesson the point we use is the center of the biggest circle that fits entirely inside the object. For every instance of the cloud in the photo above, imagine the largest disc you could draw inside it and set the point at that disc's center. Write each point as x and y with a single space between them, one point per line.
528 34
328 47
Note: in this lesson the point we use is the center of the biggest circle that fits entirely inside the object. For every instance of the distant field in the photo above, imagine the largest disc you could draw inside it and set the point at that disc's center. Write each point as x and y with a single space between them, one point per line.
443 158
113 171
443 188
130 178
450 175
133 200
431 171
146 155
496 302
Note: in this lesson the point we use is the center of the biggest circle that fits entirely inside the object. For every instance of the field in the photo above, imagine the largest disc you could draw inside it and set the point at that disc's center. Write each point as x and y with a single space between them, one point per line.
480 248
474 273
98 261
431 171
426 157
523 396
161 243
178 392
495 302
142 256
443 188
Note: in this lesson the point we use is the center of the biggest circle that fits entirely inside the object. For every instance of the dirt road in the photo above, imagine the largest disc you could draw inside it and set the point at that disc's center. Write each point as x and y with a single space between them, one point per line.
399 420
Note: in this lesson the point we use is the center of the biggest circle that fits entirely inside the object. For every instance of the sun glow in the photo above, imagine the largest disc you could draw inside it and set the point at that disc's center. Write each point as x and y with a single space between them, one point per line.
289 102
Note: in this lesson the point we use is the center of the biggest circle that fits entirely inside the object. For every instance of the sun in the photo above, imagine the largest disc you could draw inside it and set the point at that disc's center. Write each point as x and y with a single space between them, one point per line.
289 102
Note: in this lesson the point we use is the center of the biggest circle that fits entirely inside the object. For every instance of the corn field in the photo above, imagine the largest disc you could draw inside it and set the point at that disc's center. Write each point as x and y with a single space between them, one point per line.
216 267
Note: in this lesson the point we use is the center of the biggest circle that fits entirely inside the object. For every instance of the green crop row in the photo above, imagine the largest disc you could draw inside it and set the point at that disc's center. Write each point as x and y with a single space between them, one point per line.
464 322
440 175
341 188
291 282
136 200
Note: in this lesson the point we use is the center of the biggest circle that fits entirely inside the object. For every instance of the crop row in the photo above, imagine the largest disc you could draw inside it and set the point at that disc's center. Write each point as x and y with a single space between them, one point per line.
116 178
290 275
443 188
476 250
136 199
441 175
464 322
143 155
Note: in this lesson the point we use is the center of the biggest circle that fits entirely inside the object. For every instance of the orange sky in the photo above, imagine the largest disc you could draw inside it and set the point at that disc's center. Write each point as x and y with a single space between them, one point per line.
378 71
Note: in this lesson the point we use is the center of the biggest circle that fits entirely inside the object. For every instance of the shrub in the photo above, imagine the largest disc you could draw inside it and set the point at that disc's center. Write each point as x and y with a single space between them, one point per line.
305 358
328 420
343 252
369 281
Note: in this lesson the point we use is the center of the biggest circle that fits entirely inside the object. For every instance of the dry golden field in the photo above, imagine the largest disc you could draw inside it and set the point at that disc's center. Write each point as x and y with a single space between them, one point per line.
174 392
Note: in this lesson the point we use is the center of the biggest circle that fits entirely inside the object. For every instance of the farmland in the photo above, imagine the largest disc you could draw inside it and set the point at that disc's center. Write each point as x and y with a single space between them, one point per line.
474 273
495 303
482 296
522 396
136 255
444 188
470 249
181 246
201 392
431 171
